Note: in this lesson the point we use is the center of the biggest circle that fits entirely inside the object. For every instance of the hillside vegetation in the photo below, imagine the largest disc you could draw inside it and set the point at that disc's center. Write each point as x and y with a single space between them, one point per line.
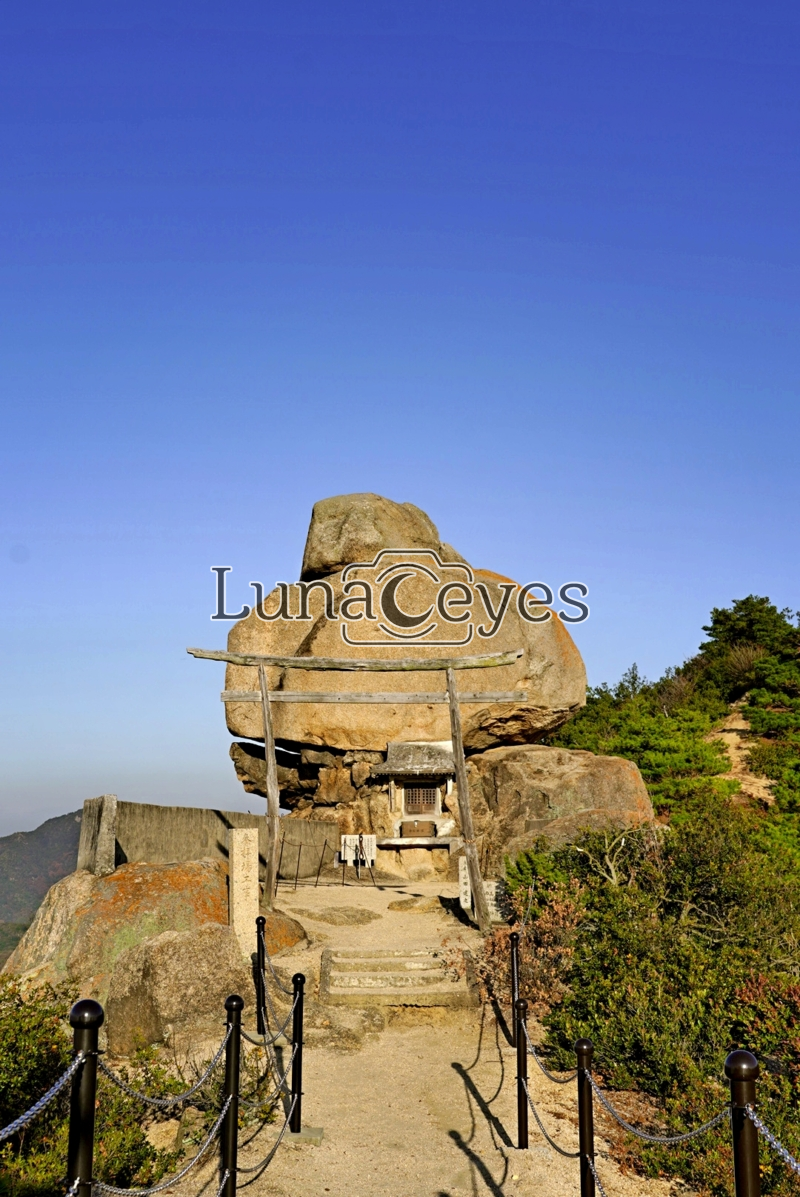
30 862
670 945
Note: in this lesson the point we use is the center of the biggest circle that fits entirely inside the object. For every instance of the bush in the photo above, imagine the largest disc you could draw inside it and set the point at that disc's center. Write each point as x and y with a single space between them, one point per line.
35 1049
668 947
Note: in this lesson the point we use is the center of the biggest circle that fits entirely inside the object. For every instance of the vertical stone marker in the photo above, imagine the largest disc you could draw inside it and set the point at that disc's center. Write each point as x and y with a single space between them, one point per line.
243 885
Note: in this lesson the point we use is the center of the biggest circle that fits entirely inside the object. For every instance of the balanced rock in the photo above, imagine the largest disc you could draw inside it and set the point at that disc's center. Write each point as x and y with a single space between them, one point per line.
519 793
549 674
349 528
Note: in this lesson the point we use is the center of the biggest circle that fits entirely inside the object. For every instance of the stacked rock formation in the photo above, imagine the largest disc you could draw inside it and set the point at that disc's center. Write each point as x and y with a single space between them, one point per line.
329 754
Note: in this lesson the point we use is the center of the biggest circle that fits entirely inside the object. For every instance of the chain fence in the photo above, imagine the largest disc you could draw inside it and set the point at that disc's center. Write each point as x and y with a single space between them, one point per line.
102 1187
597 1179
36 1109
774 1143
166 1103
280 1088
268 959
263 1040
557 1080
741 1069
665 1140
267 1090
268 1158
570 1155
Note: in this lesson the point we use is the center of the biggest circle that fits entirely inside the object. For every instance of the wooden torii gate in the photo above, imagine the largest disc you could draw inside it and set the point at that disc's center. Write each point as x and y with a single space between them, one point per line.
448 665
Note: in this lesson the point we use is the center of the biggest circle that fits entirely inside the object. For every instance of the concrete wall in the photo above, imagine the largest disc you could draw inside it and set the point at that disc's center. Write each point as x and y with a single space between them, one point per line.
303 842
115 833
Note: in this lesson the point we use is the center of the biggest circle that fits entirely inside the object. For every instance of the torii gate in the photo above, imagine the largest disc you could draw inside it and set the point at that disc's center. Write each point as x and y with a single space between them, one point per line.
448 665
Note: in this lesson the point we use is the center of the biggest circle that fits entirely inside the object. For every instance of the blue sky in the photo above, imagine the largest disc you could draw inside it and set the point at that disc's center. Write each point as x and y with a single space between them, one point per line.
533 267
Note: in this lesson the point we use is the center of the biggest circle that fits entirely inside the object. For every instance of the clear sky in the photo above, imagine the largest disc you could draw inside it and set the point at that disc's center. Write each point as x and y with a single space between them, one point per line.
532 266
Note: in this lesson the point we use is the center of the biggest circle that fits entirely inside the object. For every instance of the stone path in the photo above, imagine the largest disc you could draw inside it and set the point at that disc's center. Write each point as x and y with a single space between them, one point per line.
421 1101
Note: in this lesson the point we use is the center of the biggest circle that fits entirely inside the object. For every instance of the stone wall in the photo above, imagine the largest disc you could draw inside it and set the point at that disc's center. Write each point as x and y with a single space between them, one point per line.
114 833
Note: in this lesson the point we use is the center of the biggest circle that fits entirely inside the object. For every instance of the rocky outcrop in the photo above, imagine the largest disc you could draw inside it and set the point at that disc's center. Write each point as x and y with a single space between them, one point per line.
174 985
519 793
550 675
86 923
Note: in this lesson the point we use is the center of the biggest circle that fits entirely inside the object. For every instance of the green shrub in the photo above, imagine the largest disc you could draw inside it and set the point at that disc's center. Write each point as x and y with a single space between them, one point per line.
668 947
35 1049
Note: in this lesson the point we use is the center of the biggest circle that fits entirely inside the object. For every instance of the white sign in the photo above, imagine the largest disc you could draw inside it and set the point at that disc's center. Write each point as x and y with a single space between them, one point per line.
494 891
354 853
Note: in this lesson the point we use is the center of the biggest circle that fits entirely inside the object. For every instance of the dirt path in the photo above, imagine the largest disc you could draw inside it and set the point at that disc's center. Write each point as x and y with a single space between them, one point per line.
734 733
426 1106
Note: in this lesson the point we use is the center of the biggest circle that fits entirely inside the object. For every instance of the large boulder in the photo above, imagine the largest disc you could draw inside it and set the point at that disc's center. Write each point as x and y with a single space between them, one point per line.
549 675
175 985
86 923
519 793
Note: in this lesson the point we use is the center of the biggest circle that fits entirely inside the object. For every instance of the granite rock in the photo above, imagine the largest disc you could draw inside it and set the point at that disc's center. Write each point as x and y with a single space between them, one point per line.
86 923
175 985
349 528
520 793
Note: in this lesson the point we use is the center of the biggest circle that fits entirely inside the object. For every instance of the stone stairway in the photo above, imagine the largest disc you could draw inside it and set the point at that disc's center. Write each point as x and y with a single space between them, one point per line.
383 977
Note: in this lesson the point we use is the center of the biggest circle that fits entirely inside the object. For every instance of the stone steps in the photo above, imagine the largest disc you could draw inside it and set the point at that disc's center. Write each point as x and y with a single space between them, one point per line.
419 977
386 980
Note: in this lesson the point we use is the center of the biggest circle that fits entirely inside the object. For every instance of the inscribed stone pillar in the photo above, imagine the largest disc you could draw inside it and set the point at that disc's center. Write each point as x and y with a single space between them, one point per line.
243 893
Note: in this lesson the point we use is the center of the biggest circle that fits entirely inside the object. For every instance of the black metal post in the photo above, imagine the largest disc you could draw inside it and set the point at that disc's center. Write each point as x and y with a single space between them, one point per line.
520 1015
230 1125
261 964
514 984
741 1069
85 1018
584 1050
296 1120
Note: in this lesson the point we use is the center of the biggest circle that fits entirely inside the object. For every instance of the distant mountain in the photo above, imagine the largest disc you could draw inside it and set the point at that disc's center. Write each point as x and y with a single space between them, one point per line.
32 861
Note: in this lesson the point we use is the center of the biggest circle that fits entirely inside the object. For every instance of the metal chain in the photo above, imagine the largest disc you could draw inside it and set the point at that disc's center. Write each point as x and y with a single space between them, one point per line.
73 1188
167 1184
20 1123
570 1155
223 1182
597 1179
774 1143
557 1080
271 966
665 1139
261 1040
272 1009
281 1086
165 1103
269 1041
269 1156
